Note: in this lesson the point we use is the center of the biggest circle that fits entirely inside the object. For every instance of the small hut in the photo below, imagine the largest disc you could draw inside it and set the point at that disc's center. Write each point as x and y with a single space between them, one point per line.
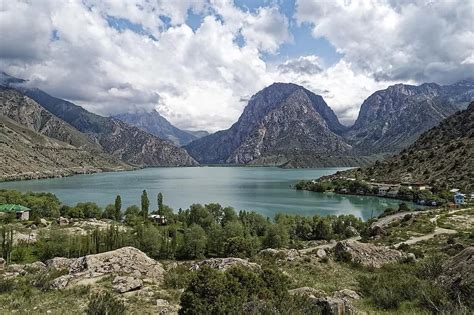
21 212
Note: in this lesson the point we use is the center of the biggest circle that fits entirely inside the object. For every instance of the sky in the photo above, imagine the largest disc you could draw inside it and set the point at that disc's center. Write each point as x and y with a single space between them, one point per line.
197 62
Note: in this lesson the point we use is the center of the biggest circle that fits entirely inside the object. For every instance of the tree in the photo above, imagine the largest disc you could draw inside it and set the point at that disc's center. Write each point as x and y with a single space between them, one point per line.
118 208
109 212
276 237
195 241
132 215
145 205
160 203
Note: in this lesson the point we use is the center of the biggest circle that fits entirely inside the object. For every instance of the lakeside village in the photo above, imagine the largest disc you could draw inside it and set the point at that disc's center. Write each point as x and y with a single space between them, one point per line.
419 193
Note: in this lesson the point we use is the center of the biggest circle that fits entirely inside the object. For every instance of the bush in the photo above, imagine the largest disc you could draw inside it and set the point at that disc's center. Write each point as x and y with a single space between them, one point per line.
105 304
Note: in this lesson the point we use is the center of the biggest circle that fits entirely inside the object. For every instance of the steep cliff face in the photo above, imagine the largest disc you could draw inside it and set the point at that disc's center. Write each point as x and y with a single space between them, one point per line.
124 141
391 119
158 125
281 120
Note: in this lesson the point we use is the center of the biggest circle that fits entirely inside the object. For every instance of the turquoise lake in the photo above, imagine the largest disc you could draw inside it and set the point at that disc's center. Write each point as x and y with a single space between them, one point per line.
267 190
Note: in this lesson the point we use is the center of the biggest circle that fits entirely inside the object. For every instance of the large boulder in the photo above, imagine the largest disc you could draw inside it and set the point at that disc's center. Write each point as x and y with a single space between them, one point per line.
337 304
366 254
224 263
2 263
458 275
126 284
123 261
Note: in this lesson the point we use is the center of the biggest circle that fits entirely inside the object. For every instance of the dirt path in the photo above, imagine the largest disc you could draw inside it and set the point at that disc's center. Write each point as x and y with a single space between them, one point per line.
426 237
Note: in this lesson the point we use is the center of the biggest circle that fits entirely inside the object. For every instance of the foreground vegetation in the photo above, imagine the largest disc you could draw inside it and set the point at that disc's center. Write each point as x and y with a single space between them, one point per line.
206 231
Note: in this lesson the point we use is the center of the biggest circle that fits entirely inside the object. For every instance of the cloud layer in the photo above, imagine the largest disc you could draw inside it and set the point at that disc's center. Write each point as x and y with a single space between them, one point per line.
197 77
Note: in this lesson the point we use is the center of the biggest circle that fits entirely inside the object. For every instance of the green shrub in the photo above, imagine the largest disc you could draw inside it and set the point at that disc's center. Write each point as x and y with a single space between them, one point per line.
105 303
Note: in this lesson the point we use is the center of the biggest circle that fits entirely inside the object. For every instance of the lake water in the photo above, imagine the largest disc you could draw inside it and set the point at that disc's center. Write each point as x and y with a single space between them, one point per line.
266 190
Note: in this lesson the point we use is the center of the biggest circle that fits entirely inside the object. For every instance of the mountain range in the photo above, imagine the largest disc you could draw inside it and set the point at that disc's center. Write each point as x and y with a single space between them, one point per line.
284 125
287 125
158 125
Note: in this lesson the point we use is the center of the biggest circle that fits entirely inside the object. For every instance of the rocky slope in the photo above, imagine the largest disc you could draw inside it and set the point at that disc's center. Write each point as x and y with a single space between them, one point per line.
391 119
279 122
26 154
442 156
157 125
34 143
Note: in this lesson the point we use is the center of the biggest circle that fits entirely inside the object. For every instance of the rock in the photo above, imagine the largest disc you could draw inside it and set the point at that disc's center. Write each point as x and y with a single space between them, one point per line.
411 257
321 253
329 304
458 274
43 222
367 254
15 268
334 306
162 303
2 263
224 263
33 227
61 282
37 265
62 221
126 284
377 231
59 263
126 260
346 294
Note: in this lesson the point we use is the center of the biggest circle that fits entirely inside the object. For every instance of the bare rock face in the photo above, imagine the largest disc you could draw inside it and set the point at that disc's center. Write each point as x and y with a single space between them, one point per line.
367 254
126 260
224 264
458 274
279 122
126 284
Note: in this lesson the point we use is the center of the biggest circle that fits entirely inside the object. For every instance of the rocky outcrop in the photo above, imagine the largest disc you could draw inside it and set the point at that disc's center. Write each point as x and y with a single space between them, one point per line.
224 264
126 260
126 284
458 275
282 120
368 255
339 303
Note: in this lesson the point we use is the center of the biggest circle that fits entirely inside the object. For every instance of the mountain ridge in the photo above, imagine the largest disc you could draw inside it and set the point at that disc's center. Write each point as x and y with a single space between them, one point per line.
154 123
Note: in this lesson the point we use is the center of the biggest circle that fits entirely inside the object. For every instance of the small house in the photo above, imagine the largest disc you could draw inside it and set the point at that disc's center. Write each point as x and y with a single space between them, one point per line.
159 219
459 198
21 212
383 190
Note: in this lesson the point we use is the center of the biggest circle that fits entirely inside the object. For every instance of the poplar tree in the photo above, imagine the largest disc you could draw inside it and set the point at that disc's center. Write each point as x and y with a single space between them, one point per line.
118 208
145 204
160 203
